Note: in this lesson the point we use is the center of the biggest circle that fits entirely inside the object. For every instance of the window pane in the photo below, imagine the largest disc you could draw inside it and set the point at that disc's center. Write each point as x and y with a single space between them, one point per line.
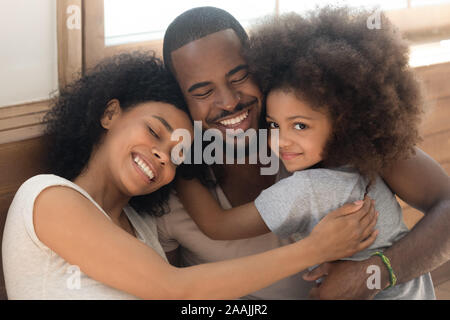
140 20
418 3
430 53
302 6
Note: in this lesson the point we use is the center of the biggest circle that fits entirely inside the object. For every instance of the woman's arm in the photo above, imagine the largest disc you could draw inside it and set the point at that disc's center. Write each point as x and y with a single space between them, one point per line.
217 223
72 226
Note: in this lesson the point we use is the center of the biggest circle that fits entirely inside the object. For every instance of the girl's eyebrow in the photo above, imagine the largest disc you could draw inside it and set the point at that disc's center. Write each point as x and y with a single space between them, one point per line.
164 122
293 117
304 117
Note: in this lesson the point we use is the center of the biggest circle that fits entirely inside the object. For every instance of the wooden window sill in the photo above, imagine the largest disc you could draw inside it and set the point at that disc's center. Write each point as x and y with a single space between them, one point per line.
22 122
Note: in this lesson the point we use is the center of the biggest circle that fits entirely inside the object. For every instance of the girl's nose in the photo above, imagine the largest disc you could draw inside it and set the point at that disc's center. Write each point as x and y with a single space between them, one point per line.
283 141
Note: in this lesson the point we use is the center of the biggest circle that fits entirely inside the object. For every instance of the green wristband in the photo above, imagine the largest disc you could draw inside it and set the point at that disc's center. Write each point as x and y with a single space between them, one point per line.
387 263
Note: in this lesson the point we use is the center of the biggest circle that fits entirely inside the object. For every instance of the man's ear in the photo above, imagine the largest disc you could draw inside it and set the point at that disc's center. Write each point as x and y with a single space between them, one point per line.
111 113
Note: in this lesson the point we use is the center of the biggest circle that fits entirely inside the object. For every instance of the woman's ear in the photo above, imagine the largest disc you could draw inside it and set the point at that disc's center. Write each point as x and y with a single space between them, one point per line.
111 113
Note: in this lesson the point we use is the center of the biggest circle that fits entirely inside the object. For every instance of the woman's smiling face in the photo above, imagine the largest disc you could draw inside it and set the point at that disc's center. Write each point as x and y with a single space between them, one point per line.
303 131
137 146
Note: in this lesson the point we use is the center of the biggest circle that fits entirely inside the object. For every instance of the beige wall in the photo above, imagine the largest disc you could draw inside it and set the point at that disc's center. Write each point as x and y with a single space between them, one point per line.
28 55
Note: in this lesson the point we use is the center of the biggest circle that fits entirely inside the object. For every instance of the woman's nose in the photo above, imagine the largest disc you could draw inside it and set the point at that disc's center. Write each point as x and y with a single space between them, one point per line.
162 156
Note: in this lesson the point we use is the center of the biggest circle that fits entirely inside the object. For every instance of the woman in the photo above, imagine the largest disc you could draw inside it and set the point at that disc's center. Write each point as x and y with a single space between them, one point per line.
76 234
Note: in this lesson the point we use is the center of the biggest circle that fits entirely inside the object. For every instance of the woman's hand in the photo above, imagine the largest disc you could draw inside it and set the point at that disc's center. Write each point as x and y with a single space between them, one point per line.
346 231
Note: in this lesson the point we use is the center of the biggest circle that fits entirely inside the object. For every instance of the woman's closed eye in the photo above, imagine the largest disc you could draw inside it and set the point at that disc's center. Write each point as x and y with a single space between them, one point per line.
153 133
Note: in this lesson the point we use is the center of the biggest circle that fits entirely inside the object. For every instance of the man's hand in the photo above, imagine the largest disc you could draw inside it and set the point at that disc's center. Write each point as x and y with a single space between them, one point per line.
346 280
423 184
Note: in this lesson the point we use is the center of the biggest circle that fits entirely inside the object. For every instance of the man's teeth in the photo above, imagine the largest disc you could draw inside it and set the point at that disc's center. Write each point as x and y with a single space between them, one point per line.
141 164
236 120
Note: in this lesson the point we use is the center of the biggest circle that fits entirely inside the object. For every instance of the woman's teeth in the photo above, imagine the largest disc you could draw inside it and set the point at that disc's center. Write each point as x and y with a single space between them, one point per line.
236 120
141 164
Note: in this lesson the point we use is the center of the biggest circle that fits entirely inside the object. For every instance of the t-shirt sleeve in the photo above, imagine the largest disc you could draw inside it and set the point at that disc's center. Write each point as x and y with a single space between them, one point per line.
287 207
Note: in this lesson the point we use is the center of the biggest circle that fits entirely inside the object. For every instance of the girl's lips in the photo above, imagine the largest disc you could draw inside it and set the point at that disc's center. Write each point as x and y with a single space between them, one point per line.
289 155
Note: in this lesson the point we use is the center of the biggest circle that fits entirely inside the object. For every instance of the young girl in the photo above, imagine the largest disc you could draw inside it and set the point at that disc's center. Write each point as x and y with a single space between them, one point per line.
77 234
345 104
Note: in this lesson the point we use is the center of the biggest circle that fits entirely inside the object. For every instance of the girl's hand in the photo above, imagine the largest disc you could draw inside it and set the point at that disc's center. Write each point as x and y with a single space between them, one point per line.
346 231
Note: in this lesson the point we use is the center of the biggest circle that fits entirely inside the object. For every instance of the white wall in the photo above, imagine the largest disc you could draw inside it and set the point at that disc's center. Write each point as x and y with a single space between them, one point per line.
28 50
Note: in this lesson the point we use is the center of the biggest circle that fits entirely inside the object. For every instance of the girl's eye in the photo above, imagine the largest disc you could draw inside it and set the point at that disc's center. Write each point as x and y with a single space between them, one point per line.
240 79
272 125
300 126
153 132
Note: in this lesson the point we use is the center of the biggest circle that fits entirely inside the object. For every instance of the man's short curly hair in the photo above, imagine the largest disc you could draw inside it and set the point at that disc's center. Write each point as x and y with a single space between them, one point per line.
73 124
195 24
330 59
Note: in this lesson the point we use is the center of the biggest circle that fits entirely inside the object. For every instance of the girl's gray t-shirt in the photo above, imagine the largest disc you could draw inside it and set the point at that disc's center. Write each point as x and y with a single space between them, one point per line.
294 205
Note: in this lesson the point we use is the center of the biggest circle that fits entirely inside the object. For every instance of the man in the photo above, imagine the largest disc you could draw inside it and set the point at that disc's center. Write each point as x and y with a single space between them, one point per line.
202 48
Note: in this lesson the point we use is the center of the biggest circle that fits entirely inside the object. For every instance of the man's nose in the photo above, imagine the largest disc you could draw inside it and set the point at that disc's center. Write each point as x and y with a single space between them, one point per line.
227 99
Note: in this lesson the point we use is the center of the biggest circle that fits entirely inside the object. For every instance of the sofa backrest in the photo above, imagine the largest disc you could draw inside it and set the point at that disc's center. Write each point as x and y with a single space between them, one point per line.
18 162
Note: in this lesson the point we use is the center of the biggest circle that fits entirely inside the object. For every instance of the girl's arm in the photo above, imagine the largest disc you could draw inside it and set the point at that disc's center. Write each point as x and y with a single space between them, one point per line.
77 231
217 223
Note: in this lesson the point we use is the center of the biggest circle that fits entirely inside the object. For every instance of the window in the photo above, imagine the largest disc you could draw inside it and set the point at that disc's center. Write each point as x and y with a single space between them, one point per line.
143 20
140 24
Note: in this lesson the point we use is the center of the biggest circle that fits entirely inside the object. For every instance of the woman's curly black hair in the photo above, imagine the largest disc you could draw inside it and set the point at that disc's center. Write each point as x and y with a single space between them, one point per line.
73 124
360 76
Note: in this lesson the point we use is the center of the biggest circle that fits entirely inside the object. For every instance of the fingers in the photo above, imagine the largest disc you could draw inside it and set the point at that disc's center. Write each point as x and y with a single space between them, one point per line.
366 243
317 273
348 208
366 219
367 209
371 225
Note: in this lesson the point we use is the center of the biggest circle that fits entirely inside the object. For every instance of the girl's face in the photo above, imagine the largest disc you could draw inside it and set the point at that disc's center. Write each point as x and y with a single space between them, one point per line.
303 131
137 146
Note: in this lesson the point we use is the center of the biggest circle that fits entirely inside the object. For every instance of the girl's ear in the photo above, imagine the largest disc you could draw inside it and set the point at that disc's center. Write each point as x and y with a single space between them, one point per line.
112 112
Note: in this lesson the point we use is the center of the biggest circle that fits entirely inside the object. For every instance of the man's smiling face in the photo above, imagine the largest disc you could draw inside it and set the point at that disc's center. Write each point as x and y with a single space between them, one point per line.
216 84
